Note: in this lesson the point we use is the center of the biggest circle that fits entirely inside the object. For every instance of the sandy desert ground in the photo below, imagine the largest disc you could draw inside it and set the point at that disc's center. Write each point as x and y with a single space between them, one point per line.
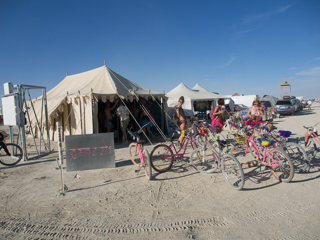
119 203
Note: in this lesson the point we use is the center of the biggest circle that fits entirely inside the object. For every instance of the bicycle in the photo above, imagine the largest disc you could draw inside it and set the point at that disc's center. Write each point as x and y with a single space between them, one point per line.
242 145
296 152
140 156
10 153
208 161
203 131
311 136
162 155
278 161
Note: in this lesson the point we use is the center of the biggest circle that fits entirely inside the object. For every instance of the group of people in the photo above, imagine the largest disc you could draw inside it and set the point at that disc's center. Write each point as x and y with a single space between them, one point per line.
255 113
106 118
217 115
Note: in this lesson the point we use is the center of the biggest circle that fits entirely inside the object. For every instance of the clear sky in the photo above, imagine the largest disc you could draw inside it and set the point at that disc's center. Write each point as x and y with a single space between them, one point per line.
229 46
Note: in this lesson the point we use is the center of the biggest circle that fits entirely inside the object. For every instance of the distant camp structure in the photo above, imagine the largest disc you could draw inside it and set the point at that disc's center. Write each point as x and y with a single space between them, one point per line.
285 87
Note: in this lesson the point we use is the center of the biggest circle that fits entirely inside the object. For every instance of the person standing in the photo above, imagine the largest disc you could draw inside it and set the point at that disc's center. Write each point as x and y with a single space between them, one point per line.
182 118
144 121
123 114
216 115
309 104
108 116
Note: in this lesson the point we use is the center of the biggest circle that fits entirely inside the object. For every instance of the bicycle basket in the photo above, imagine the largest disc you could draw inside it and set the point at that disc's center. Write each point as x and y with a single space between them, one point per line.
240 139
204 132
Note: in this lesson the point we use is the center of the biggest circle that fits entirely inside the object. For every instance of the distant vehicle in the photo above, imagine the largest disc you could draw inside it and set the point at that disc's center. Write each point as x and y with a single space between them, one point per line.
240 107
284 107
304 103
299 104
295 104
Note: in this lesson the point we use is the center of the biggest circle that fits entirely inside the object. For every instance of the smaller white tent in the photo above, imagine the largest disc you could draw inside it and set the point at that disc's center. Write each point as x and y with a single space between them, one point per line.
197 93
227 99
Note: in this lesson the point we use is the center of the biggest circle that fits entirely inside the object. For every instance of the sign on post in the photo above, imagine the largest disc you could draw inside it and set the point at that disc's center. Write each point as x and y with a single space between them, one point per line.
90 151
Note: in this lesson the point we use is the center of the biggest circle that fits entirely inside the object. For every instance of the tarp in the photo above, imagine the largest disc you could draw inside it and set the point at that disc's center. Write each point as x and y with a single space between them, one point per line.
272 100
75 98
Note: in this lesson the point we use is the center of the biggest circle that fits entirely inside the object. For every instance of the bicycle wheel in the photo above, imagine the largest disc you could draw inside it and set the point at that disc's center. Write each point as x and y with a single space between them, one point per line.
298 156
147 165
204 160
15 157
161 158
134 154
193 143
285 171
232 171
248 160
201 140
314 148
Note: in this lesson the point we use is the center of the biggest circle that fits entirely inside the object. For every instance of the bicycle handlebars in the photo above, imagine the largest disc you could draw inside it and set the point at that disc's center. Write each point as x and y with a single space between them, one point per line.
311 126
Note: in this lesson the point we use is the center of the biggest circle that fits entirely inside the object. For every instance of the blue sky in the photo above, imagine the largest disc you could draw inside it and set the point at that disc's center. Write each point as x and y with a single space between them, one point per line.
225 46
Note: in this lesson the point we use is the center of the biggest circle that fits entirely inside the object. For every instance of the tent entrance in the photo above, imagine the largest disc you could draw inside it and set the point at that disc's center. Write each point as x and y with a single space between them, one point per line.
107 124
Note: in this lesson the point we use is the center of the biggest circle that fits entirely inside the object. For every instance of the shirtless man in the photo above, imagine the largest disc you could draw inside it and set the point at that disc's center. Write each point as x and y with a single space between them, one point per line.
107 111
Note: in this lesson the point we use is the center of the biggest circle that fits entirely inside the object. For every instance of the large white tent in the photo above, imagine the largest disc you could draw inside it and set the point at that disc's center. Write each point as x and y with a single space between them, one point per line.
74 100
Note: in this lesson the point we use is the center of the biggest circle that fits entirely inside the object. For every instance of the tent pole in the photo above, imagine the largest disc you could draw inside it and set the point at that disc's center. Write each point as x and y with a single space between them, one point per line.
47 119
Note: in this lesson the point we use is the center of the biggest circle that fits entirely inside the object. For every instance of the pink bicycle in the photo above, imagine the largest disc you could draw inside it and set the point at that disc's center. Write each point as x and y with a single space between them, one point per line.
140 156
278 161
162 155
311 137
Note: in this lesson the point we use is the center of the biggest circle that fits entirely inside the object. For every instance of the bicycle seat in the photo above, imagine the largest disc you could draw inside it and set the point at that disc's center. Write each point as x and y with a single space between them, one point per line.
284 133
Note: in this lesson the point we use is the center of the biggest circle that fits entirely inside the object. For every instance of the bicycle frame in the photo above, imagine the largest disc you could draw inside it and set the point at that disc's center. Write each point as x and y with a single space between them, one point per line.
138 147
213 150
311 134
184 145
259 154
216 137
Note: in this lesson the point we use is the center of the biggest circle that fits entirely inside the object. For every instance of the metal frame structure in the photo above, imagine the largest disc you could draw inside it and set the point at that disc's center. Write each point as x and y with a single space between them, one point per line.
285 87
22 89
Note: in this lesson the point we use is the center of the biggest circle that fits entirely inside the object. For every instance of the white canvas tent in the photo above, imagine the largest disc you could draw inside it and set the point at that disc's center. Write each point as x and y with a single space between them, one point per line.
215 96
74 100
197 93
